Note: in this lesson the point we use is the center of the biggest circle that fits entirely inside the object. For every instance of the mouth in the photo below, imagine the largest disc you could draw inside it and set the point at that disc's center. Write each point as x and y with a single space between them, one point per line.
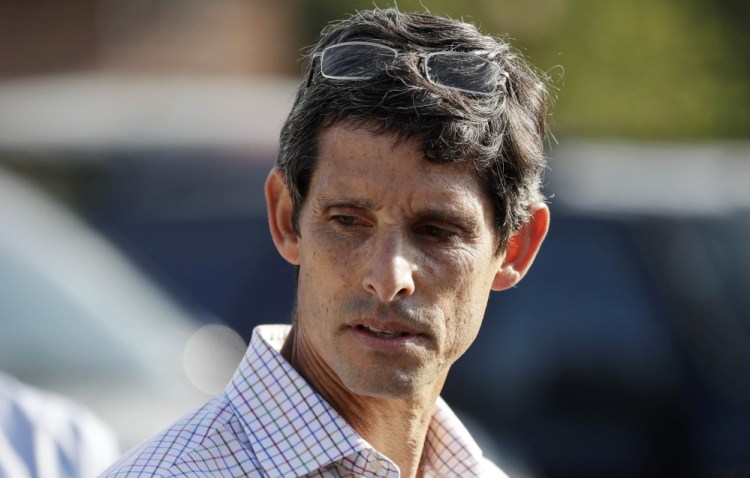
386 334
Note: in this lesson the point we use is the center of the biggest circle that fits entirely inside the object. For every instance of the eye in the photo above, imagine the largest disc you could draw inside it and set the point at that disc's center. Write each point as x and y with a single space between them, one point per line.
345 220
439 233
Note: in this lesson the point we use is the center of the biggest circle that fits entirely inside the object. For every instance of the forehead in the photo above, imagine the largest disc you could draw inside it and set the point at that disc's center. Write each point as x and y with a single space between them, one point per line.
357 162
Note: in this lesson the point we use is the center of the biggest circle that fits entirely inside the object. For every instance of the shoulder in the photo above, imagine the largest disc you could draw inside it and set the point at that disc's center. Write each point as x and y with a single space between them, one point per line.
207 435
64 431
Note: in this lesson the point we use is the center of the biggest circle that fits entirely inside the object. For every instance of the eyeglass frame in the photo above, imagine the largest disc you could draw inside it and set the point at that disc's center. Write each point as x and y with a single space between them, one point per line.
424 57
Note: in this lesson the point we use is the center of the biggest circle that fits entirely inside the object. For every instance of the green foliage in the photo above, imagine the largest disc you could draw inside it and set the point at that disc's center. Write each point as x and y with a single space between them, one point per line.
641 69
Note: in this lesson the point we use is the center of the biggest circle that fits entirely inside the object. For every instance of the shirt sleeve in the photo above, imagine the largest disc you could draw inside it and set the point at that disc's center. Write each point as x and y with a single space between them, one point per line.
44 434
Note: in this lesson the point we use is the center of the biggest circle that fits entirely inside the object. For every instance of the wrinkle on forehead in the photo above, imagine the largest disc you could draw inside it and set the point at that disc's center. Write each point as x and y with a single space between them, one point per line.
337 138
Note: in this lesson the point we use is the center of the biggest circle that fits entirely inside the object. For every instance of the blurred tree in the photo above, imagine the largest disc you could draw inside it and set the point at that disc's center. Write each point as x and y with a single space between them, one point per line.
642 69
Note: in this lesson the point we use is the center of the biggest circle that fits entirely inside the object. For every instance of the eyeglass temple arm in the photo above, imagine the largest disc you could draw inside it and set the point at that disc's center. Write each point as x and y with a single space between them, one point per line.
312 69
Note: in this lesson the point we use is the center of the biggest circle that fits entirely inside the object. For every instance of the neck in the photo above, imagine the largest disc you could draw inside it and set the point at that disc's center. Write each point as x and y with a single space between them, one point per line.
395 427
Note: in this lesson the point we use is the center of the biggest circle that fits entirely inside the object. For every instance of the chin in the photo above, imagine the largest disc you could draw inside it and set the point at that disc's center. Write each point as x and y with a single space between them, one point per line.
384 382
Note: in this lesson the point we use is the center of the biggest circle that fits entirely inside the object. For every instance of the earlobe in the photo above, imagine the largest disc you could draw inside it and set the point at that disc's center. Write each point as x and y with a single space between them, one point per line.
522 248
279 204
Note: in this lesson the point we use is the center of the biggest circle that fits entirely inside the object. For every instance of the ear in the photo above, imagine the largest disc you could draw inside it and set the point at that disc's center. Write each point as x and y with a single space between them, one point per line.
279 204
522 248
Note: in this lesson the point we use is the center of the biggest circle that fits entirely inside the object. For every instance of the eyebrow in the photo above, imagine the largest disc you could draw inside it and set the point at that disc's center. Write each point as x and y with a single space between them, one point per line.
327 202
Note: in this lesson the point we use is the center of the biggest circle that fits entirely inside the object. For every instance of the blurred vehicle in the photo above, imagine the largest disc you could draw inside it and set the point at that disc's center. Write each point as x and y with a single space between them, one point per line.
625 351
77 317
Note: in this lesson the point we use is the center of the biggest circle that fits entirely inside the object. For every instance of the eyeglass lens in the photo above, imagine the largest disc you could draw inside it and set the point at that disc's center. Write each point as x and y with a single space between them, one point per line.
462 71
355 61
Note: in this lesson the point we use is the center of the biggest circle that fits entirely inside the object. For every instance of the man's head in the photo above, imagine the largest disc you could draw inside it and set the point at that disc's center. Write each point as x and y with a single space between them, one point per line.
501 134
407 189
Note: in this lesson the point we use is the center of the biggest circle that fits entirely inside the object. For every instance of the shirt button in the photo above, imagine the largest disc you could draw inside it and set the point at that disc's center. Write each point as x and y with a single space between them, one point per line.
377 466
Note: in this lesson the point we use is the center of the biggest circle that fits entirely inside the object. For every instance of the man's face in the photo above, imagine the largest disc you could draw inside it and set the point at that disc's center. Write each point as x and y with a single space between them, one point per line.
397 259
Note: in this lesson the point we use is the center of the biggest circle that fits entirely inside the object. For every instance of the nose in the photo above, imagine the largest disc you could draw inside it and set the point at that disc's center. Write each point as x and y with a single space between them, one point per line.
389 273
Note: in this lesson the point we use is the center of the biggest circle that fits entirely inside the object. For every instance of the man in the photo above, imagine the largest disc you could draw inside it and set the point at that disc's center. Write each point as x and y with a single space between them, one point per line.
407 189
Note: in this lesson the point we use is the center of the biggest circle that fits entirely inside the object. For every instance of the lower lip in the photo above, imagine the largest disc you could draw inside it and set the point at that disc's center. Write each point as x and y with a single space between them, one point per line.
385 344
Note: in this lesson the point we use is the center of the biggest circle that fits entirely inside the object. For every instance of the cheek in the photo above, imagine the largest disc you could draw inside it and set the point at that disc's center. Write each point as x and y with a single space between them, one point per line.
460 276
466 303
465 320
325 271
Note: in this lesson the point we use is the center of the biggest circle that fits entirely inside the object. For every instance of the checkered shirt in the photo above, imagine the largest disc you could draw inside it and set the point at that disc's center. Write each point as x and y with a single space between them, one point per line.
271 423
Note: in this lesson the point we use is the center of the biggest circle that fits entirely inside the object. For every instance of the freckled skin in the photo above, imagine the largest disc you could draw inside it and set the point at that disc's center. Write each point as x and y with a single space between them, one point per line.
388 235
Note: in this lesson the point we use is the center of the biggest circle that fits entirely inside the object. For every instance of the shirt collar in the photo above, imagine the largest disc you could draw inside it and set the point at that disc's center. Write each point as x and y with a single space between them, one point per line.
294 431
450 451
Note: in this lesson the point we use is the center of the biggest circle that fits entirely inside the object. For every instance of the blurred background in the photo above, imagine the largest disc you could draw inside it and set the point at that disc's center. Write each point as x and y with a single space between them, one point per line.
135 260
